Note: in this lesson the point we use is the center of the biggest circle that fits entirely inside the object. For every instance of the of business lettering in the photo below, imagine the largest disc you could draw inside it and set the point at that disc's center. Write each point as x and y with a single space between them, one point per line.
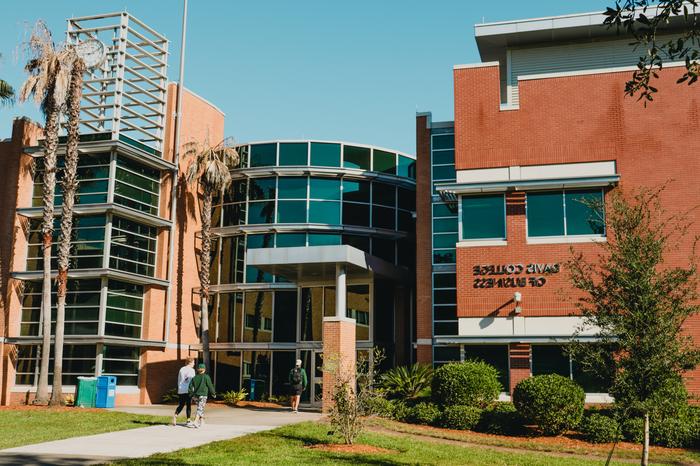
483 273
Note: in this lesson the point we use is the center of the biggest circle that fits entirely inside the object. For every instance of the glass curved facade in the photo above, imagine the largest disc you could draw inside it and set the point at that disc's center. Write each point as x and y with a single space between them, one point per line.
304 194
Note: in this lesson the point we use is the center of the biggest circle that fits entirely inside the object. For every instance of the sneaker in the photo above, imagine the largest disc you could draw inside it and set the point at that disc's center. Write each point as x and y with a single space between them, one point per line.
190 424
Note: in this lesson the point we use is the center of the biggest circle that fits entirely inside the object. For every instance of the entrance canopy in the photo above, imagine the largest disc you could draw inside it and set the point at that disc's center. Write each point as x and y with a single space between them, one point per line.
318 263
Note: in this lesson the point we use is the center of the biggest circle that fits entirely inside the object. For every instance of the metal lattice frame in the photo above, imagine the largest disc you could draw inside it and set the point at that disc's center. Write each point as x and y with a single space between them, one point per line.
126 96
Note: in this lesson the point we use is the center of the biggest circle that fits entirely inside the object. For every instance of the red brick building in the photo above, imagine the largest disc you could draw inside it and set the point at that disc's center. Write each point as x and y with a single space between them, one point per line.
540 124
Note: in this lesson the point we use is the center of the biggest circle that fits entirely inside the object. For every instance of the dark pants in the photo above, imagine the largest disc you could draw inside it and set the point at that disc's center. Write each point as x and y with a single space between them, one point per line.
186 402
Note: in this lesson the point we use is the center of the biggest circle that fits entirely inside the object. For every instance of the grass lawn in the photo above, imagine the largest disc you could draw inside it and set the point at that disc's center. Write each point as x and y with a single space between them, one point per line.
27 425
562 444
294 444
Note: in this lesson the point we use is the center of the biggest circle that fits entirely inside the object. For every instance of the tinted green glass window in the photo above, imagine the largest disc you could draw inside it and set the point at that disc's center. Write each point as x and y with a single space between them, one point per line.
261 212
357 191
285 317
445 328
444 256
384 162
384 194
444 210
260 241
384 249
255 275
262 188
407 199
323 239
237 192
444 296
444 172
290 240
325 154
483 217
234 214
545 214
444 225
445 280
293 153
406 222
406 167
327 189
444 157
324 212
383 217
355 214
357 241
445 312
263 155
291 187
356 157
291 211
444 141
550 359
446 353
584 212
444 240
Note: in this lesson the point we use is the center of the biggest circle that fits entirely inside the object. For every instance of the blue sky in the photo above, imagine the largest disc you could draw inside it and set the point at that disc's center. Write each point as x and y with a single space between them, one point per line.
348 70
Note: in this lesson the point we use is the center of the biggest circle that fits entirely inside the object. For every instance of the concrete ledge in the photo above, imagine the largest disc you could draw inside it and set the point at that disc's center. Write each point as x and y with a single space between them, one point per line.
339 319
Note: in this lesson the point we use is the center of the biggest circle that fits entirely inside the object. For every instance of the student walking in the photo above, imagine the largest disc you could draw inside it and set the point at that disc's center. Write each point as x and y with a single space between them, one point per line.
200 389
184 377
298 381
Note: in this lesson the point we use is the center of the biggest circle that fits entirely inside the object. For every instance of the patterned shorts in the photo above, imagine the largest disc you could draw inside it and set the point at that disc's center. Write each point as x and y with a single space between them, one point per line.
201 403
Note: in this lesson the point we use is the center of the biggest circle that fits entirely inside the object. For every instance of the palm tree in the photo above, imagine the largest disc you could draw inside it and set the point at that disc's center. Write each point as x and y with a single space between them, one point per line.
7 94
210 169
48 69
70 188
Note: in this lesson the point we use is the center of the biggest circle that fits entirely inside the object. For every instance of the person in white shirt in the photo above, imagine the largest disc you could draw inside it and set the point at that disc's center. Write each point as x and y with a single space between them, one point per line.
184 377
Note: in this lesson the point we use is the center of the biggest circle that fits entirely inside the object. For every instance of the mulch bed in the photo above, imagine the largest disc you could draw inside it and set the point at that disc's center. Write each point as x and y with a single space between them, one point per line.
356 448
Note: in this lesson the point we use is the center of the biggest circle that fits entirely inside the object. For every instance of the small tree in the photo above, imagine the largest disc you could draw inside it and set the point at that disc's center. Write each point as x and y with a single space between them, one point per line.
353 401
644 20
638 304
209 170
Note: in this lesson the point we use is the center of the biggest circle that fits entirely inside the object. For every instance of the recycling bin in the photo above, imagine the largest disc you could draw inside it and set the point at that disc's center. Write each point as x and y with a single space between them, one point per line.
86 390
106 391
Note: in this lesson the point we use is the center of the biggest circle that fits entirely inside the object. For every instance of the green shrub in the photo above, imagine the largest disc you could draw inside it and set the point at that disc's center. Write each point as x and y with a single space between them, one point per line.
598 428
675 432
401 410
170 396
232 397
552 402
407 382
460 417
501 418
633 429
469 383
423 413
380 406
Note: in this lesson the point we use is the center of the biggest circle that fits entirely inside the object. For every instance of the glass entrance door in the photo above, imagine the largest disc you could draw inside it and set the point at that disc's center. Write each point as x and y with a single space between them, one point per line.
312 362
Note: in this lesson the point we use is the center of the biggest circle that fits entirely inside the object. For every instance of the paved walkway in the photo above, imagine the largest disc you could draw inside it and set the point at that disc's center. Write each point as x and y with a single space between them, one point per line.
222 423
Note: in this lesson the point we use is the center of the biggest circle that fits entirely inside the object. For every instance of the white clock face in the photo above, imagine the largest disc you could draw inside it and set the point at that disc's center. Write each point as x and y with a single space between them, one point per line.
92 51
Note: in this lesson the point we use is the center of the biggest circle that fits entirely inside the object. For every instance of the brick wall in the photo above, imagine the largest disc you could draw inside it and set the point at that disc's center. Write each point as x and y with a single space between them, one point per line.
424 300
339 352
565 120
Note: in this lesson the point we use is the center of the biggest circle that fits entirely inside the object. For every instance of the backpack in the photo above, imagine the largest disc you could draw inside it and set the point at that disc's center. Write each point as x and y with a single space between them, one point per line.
296 376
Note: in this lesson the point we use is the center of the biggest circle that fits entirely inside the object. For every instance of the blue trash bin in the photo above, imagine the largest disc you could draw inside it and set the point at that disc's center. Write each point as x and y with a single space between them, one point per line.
106 391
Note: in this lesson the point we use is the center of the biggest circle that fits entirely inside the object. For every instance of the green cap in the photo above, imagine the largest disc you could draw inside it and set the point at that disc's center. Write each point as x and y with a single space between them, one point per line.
202 366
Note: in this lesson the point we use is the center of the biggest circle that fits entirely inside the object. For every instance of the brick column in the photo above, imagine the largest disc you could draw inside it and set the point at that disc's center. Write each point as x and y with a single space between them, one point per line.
424 256
519 354
338 355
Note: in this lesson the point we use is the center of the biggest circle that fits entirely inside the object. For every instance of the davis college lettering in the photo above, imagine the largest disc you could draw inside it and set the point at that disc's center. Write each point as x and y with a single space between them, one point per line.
511 272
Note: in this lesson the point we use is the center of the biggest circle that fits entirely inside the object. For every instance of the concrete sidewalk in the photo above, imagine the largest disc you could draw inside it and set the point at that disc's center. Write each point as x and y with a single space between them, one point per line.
222 423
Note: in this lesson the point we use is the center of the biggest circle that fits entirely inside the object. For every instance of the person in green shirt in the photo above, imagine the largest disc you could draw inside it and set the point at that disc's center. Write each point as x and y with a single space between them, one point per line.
298 382
200 389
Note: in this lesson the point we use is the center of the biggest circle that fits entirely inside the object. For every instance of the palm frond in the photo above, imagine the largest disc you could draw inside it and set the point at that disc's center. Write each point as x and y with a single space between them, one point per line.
211 165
